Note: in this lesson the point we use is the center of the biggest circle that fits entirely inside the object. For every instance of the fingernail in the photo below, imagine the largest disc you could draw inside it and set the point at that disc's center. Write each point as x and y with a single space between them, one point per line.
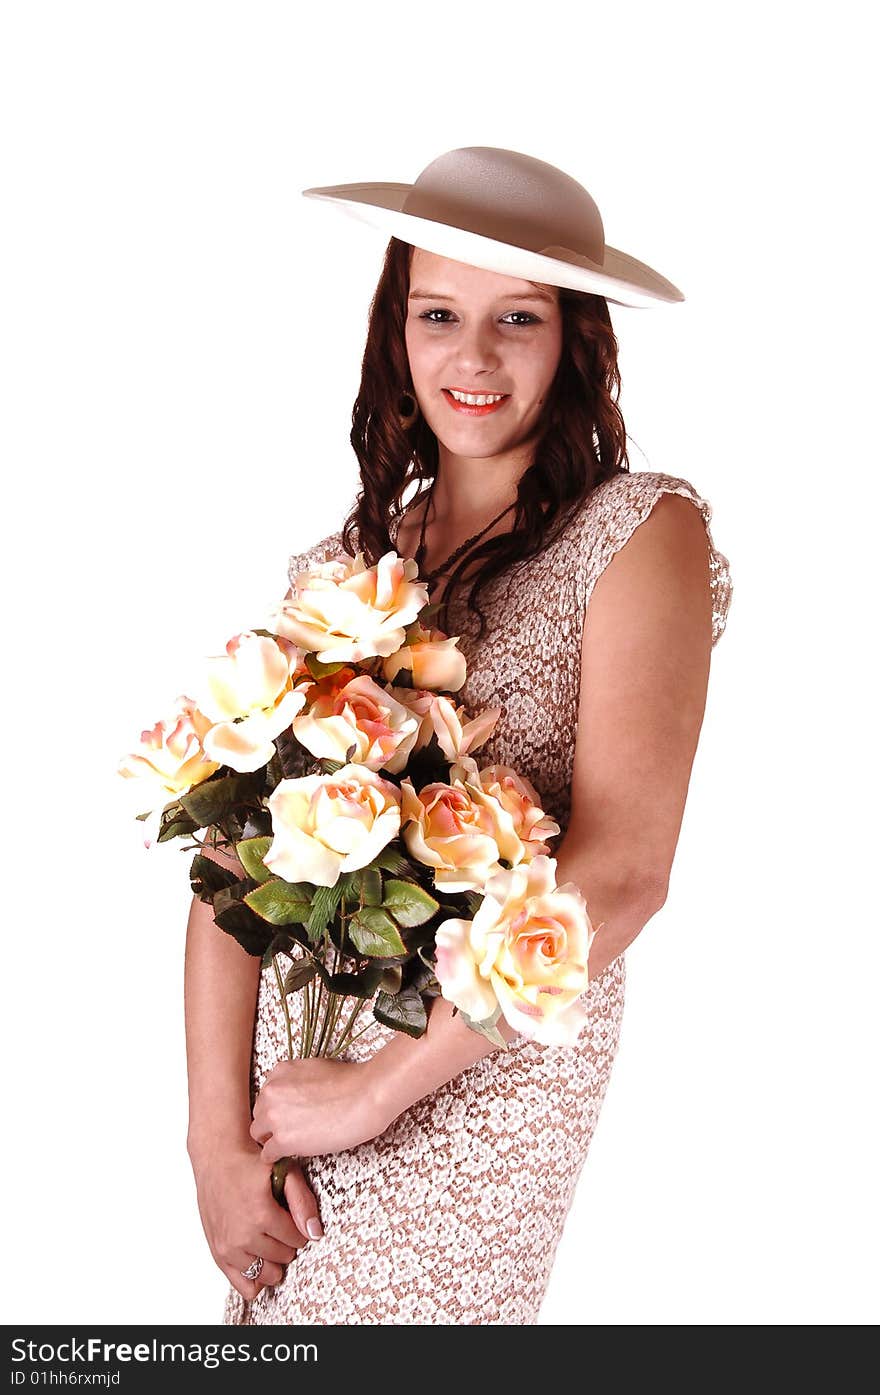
314 1228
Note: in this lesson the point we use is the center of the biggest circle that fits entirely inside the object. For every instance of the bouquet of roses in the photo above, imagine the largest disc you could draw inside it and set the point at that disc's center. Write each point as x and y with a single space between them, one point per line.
395 868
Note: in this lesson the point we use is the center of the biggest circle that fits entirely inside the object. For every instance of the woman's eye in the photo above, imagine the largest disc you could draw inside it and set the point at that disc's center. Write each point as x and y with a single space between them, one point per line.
526 317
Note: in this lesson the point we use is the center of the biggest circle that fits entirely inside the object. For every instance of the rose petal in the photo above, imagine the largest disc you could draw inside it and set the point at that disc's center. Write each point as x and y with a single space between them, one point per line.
457 974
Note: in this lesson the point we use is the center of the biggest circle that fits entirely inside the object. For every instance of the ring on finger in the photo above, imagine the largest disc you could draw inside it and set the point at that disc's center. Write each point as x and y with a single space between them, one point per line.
253 1270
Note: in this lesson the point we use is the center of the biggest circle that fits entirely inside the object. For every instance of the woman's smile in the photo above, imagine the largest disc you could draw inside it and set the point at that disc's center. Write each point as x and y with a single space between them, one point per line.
480 405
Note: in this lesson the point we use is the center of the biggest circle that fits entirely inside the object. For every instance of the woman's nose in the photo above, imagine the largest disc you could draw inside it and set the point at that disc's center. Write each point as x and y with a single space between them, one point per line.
477 349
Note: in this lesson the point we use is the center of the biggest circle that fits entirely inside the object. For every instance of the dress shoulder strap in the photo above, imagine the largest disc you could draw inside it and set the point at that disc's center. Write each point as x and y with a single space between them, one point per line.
613 512
323 551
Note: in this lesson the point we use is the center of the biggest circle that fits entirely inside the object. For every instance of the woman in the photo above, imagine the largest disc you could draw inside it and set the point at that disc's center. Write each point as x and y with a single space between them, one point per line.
438 1172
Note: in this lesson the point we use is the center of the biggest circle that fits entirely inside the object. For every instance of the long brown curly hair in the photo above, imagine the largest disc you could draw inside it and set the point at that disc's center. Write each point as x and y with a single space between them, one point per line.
582 441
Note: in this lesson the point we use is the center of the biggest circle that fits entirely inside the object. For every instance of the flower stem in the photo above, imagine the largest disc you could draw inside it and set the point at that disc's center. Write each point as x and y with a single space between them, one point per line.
331 1011
365 1028
284 1007
346 1038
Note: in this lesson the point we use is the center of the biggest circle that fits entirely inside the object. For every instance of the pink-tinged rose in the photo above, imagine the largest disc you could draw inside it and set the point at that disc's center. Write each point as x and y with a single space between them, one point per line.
250 695
324 825
457 734
344 611
444 829
434 661
347 710
170 758
526 950
503 788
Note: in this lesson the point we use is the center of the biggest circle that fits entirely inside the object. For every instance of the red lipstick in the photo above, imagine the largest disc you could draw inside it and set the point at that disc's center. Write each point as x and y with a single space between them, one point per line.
471 410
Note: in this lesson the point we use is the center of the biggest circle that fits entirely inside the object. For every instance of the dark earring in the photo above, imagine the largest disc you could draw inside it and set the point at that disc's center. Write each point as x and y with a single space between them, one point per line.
407 411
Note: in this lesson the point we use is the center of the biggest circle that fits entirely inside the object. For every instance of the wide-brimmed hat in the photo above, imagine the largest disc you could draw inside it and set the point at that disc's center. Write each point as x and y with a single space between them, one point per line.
506 212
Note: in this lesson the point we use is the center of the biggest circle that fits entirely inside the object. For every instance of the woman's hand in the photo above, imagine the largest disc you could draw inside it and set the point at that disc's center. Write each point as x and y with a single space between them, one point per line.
241 1218
317 1105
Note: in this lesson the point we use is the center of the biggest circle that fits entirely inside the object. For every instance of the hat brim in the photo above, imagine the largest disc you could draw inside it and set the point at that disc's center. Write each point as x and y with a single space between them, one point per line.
622 279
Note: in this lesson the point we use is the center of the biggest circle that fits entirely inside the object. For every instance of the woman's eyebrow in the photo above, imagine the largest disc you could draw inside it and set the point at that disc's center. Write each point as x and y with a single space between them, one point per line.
516 295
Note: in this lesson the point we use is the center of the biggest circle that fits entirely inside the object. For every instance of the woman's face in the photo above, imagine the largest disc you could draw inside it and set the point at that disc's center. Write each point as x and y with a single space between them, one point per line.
480 333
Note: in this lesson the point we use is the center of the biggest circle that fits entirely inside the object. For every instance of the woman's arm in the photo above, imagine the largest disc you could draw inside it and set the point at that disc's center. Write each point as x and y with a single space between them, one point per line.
645 661
241 1218
408 1068
220 995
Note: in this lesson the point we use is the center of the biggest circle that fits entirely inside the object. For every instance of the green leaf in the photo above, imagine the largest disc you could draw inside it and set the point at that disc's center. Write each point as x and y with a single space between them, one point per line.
209 801
330 767
404 1010
258 824
409 904
282 943
324 904
176 828
421 974
237 920
207 877
319 670
359 985
290 754
390 860
251 852
301 972
371 886
487 1027
428 614
473 901
282 903
374 934
392 979
428 766
350 885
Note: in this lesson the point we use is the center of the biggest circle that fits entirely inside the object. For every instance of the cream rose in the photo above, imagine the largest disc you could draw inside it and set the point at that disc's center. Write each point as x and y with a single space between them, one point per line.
506 790
345 710
434 660
250 697
344 611
444 828
525 950
457 734
170 758
324 825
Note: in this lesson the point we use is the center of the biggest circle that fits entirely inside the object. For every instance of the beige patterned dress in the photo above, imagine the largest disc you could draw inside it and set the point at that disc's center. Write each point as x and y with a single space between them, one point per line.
453 1215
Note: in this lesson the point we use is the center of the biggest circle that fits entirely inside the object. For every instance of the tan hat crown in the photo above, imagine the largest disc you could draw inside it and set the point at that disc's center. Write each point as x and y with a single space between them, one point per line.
512 198
509 213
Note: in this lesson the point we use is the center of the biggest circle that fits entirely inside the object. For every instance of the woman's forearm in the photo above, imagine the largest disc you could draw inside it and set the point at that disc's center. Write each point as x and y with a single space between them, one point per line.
409 1068
220 993
621 898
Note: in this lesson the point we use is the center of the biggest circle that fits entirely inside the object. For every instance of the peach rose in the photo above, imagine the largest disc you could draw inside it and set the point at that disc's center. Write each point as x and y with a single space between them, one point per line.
457 734
445 829
344 611
324 825
250 697
525 951
520 802
170 758
345 710
434 661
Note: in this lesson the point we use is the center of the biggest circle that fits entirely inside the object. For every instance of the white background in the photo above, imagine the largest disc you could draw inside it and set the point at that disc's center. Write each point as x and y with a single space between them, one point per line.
181 342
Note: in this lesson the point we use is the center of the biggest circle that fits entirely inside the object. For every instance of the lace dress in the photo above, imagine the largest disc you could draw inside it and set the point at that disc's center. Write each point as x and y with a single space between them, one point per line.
453 1215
